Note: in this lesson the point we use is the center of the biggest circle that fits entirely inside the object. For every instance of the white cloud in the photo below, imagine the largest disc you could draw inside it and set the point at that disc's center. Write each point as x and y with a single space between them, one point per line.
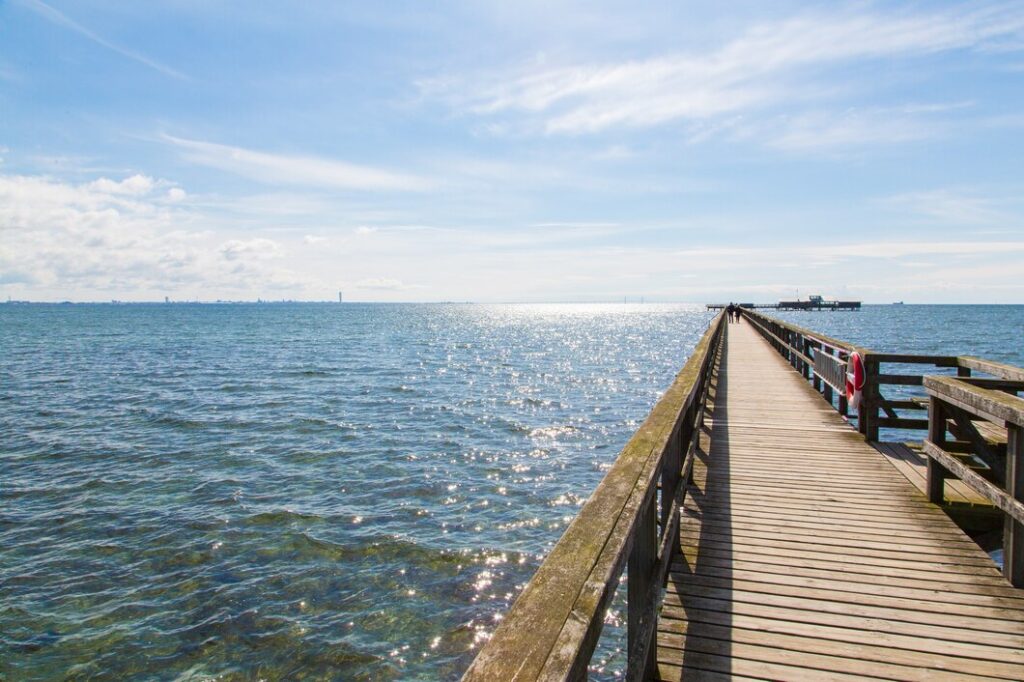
845 129
93 240
258 248
295 170
110 238
769 64
136 185
956 207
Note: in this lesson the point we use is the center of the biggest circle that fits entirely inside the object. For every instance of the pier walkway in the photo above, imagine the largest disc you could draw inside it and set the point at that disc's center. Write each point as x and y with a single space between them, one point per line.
808 555
762 536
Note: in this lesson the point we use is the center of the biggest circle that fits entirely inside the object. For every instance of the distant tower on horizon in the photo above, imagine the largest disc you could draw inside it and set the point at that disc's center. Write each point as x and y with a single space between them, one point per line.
167 299
339 297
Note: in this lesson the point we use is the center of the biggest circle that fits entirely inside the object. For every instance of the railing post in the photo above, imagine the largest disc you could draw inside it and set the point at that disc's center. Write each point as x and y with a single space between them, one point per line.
867 412
638 588
814 354
672 469
1013 530
805 348
937 473
828 387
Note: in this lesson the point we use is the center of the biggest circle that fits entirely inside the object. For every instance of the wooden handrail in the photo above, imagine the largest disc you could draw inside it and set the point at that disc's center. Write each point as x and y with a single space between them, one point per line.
553 627
995 406
996 369
875 410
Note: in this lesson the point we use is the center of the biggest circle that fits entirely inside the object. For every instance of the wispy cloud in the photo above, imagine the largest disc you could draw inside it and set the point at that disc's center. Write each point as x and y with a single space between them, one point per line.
960 207
822 130
768 64
55 16
295 170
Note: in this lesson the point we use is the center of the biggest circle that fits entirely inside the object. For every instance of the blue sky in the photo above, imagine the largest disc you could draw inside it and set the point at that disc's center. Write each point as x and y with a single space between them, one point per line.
527 151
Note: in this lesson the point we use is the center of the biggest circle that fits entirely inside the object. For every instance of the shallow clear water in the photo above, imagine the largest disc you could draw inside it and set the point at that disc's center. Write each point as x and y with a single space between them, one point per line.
325 491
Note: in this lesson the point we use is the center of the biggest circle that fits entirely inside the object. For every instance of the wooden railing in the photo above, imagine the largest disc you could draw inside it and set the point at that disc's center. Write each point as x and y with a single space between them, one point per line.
553 627
819 358
1001 480
822 360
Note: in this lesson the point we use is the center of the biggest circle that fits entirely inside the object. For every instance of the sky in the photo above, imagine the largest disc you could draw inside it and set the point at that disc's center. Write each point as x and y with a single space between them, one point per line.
512 151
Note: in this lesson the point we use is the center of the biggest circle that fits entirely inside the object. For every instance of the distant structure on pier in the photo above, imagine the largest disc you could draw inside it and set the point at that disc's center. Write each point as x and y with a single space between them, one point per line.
812 303
339 297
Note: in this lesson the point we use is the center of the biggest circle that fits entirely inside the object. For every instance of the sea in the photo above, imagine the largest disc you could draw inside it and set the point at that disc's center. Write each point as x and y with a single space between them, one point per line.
327 491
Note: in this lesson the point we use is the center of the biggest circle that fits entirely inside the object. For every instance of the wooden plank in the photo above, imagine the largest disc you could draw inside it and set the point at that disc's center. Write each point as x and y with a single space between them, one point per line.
780 660
844 562
938 587
987 615
888 641
849 615
864 658
961 554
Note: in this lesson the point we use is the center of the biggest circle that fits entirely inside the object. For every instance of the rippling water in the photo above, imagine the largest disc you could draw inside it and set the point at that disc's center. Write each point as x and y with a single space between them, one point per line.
300 491
325 491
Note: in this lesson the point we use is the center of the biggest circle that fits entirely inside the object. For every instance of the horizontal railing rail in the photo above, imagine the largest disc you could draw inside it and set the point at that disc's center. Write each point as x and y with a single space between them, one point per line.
1001 478
553 627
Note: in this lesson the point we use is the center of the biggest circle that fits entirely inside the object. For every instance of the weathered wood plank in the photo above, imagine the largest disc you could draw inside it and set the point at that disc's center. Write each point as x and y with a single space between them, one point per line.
995 406
996 369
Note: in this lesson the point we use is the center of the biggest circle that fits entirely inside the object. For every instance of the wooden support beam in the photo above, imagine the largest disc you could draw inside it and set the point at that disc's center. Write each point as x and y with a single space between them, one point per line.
1013 528
937 473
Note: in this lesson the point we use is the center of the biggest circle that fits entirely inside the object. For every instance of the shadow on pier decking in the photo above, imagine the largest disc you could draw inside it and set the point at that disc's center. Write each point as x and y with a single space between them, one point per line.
696 630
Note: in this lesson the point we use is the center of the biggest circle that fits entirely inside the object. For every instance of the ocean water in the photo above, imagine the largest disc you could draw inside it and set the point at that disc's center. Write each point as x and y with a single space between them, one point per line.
324 491
300 491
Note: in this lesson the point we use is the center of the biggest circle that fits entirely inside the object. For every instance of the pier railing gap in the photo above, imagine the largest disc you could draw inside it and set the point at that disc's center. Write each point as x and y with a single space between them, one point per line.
974 425
553 627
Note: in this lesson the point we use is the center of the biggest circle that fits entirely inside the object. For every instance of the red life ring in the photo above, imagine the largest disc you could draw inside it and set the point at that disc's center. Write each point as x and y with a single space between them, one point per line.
854 379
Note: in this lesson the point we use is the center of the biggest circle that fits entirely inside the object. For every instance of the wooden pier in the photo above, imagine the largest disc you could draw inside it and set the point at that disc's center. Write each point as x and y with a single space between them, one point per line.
766 538
816 304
